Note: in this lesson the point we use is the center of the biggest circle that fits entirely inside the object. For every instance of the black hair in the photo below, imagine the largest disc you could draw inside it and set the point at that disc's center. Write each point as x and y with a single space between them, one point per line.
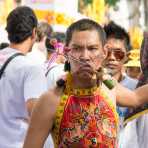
115 31
60 36
20 24
3 45
83 25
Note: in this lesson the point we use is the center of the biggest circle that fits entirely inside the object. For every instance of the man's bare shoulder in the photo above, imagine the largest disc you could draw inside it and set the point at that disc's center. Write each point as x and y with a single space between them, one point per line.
49 101
49 97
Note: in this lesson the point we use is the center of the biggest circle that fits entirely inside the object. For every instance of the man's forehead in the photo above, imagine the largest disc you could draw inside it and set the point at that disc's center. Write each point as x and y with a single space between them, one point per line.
116 43
88 37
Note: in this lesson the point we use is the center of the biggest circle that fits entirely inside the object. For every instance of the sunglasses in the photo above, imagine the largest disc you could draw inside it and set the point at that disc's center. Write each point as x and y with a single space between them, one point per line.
118 53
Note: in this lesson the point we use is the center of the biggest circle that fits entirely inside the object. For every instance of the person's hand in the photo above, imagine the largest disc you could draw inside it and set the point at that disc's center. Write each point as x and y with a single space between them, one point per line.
106 78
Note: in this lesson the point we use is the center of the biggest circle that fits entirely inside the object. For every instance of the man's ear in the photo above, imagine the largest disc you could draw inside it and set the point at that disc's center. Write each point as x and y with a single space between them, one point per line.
126 58
34 34
105 51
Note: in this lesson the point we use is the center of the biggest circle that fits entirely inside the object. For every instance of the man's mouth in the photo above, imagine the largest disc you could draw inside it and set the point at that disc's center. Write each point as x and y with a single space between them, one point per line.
85 71
111 66
87 68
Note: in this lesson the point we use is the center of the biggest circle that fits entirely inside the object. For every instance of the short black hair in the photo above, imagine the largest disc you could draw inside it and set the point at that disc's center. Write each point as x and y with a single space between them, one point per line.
3 45
115 31
83 25
60 36
20 24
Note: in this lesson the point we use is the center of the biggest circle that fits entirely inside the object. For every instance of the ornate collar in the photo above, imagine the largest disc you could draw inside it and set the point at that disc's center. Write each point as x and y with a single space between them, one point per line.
78 92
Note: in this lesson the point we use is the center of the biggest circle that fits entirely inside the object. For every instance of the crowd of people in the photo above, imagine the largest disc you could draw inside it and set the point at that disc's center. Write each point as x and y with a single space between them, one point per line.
72 89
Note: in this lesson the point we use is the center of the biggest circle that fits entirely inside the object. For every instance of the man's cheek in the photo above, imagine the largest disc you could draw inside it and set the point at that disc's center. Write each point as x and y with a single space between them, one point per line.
97 65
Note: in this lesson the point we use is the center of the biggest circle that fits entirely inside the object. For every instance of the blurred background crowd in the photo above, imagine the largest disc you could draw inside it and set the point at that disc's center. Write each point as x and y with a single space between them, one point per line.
132 15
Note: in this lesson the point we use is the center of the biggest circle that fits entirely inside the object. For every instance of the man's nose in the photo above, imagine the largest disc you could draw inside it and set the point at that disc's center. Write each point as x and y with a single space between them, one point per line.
111 55
85 54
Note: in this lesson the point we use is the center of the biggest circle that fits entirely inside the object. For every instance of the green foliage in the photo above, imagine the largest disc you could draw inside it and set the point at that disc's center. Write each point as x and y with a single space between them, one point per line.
83 3
86 2
111 2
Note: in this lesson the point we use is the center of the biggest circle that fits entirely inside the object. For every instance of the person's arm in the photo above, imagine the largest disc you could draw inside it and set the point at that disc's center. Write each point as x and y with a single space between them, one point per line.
30 105
42 120
126 97
142 94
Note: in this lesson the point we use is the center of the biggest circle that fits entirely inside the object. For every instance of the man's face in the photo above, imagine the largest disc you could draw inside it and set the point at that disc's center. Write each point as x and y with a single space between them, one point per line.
133 72
116 55
86 47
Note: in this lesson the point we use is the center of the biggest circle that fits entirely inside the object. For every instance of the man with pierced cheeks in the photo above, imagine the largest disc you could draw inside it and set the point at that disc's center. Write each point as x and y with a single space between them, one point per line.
81 111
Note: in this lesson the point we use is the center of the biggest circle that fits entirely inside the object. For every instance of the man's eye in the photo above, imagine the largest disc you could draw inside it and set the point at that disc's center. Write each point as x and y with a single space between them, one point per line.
75 49
93 48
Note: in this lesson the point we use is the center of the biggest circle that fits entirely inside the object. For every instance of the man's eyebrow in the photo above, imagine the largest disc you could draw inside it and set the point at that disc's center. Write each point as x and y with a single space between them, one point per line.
76 45
94 45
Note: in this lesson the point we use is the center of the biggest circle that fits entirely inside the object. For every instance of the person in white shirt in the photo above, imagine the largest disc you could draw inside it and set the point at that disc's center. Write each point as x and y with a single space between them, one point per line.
21 82
55 61
54 66
38 54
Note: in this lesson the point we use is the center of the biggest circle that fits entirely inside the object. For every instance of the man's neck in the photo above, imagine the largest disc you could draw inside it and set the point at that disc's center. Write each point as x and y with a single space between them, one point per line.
118 77
82 84
22 47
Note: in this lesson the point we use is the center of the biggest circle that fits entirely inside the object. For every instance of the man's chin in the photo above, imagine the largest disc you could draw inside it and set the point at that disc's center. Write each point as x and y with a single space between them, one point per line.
85 76
112 71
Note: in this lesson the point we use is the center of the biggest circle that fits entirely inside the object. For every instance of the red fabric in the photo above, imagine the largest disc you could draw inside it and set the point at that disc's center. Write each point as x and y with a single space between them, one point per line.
87 122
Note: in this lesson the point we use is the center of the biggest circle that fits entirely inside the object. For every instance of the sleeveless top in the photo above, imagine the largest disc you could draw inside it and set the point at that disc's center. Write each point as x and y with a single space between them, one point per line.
85 121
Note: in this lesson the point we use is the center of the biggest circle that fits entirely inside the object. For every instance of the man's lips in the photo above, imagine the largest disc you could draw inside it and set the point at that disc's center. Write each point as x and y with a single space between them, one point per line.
87 68
112 66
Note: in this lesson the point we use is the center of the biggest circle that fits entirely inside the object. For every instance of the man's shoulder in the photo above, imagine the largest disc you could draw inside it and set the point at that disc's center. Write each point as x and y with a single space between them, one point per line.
22 65
129 82
55 74
127 78
51 99
25 63
56 69
8 52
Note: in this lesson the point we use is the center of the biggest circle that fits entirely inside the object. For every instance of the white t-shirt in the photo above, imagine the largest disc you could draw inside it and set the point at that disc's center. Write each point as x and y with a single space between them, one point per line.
21 81
37 56
129 83
54 74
